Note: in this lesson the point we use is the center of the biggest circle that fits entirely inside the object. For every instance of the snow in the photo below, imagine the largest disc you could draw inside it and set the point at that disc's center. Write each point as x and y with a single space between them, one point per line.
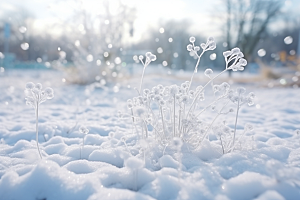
113 164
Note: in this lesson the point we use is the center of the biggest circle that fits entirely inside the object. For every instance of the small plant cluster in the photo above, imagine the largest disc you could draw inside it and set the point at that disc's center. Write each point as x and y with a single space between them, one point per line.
34 97
177 111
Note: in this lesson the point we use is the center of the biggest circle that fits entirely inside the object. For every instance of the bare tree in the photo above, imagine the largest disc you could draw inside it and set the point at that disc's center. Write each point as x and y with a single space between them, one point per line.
247 21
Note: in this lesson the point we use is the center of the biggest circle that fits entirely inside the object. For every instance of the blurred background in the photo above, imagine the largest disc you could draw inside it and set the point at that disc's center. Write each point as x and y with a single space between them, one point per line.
100 40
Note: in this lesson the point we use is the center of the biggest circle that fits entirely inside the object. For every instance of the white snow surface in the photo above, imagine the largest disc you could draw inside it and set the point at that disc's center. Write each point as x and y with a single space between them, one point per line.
266 166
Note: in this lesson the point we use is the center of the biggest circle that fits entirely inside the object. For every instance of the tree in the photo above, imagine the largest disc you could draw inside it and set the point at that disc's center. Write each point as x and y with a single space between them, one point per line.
247 21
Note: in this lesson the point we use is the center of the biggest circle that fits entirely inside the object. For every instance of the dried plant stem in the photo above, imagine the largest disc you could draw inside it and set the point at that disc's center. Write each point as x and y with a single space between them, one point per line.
174 117
142 79
222 144
206 132
37 129
162 120
236 118
196 68
199 92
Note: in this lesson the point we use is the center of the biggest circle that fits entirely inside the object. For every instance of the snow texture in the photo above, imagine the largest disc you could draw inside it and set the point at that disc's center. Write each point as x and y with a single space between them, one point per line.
113 165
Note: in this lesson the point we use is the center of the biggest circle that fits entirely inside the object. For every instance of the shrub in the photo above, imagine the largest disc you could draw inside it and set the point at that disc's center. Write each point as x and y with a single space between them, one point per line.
176 111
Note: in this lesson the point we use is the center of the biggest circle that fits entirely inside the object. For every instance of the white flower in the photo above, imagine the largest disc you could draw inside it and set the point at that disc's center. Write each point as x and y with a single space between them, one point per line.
192 39
38 86
196 48
208 72
29 86
227 53
189 47
235 51
140 111
83 129
150 56
173 90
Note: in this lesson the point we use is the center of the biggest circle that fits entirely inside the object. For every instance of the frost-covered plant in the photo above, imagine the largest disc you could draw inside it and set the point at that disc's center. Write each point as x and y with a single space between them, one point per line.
149 57
34 97
176 111
84 131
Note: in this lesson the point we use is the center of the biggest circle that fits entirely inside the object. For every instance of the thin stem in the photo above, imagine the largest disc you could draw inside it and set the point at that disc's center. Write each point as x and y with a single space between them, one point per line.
199 92
236 118
142 79
222 144
196 68
162 120
36 128
174 117
206 132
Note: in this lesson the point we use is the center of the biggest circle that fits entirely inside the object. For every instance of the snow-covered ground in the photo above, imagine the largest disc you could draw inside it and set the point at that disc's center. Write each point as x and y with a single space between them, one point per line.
265 166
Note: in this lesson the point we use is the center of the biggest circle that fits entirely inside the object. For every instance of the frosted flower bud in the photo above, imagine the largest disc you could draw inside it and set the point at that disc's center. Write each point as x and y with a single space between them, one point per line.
129 103
251 95
38 86
140 111
231 110
241 68
243 62
184 99
50 96
200 87
162 103
160 87
241 90
249 127
203 46
297 132
83 129
250 102
191 92
234 98
192 39
201 97
226 129
48 91
177 142
29 86
152 96
141 57
29 102
152 57
210 39
227 53
235 51
184 85
234 68
216 88
146 91
155 90
157 98
177 96
189 47
241 55
196 48
212 46
173 90
208 72
225 86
